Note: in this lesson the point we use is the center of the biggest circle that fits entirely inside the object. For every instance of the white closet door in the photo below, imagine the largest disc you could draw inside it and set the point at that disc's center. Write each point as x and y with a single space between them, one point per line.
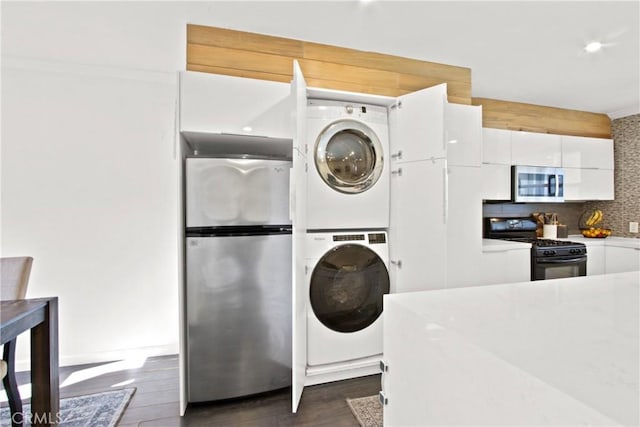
417 235
416 125
298 217
418 199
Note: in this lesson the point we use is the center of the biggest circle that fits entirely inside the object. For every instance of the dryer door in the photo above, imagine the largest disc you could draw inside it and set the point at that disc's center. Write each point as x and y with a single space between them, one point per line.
348 156
347 286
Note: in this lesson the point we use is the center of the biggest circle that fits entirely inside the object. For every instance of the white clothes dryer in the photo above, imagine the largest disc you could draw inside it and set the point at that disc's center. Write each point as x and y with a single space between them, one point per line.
349 276
348 172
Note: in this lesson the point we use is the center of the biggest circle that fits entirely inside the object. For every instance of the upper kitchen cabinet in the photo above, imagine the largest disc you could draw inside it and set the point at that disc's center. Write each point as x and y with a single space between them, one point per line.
496 146
463 134
591 153
588 184
496 164
216 103
417 124
588 167
536 149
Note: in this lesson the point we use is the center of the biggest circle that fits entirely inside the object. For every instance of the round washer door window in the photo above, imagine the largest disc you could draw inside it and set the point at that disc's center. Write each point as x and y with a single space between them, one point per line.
347 286
348 156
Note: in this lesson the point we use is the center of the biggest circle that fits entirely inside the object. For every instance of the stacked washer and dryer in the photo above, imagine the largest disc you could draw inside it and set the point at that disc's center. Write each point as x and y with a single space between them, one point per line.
347 246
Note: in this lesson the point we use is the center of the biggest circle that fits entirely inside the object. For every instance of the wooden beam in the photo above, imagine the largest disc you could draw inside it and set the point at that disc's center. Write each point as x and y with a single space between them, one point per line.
536 118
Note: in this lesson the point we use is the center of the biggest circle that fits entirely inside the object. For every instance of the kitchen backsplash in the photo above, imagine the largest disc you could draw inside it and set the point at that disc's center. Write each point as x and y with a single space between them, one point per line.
568 213
626 206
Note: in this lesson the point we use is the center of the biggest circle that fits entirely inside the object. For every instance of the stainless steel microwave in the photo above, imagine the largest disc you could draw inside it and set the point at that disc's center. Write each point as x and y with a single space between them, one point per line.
537 184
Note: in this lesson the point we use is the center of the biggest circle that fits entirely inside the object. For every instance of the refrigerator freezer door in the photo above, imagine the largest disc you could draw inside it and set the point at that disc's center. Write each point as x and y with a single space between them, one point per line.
239 315
221 192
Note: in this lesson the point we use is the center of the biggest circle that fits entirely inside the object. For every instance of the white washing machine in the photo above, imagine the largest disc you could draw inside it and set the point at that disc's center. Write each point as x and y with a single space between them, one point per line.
348 278
348 170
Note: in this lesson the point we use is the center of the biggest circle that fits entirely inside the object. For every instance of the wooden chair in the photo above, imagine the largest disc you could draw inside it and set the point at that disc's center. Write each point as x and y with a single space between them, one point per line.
15 278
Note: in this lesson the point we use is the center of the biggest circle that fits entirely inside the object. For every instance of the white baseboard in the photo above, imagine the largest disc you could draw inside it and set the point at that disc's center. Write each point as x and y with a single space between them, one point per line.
104 357
342 371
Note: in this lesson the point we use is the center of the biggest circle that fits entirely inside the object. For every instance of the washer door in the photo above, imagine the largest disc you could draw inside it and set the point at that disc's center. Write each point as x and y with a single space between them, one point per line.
348 156
347 286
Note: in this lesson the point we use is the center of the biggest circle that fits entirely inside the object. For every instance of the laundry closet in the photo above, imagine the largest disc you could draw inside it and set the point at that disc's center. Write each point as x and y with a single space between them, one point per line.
372 206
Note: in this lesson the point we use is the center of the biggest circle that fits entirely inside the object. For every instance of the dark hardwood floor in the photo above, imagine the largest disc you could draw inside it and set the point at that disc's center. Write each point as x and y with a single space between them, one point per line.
156 400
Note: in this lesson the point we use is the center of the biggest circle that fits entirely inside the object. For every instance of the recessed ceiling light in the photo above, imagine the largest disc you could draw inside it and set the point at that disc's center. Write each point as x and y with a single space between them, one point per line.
593 47
247 129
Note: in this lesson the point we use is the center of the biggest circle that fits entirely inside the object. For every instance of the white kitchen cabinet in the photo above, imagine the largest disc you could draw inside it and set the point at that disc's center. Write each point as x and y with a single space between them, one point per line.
216 103
588 184
504 264
588 165
416 125
496 182
464 225
463 134
496 146
536 149
590 153
620 258
496 164
595 259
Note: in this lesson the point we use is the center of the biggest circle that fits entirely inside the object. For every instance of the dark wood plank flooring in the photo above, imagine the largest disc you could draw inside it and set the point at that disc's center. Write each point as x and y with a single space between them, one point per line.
156 401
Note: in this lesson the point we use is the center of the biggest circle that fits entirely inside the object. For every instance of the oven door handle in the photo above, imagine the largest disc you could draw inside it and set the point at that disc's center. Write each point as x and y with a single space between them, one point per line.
562 261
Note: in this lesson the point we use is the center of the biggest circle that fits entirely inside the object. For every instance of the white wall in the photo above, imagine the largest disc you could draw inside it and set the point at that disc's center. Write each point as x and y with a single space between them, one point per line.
89 174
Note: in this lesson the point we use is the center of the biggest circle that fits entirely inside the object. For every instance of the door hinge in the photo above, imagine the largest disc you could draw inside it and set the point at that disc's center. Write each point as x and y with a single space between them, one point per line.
397 105
306 270
384 367
397 156
397 263
383 398
306 167
397 172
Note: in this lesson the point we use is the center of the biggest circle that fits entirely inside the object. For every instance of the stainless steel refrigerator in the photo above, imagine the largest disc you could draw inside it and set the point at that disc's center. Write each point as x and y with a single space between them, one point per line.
238 277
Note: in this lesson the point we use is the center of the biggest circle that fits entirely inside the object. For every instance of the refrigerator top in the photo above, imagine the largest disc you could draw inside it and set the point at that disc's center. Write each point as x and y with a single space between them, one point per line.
236 192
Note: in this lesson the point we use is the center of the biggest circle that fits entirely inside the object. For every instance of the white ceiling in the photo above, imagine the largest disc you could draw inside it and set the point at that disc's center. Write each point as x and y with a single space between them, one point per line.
525 51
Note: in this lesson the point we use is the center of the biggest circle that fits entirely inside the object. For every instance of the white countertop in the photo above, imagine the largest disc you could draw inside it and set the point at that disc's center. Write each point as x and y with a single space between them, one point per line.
563 351
625 242
497 245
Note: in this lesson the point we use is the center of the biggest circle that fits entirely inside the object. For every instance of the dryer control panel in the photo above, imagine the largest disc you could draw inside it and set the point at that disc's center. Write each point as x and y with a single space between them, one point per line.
373 238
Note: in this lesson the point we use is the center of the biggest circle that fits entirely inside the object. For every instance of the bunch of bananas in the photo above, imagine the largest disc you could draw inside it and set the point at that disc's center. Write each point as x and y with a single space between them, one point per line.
594 218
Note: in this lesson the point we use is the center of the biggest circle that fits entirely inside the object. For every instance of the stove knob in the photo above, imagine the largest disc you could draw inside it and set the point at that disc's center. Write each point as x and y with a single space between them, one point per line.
552 252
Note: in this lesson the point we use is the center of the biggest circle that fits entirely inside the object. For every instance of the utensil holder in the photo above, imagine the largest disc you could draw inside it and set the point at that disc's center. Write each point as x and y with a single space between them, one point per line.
549 231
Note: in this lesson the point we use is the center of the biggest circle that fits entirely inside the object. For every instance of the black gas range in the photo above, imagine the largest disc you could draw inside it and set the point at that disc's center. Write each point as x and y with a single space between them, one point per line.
550 259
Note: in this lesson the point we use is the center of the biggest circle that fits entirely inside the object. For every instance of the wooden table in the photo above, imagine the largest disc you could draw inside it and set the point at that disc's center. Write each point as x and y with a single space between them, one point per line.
40 315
